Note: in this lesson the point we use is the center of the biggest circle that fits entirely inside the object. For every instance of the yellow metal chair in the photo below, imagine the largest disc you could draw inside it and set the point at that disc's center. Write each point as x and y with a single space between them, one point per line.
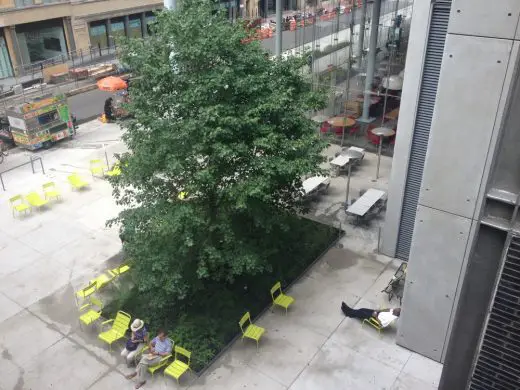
121 269
374 322
280 299
35 200
97 167
118 330
51 191
164 360
179 367
18 204
115 171
92 311
86 292
103 279
251 331
76 181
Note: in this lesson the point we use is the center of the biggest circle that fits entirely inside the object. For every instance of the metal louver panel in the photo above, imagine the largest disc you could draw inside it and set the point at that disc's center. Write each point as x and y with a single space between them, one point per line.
425 105
498 361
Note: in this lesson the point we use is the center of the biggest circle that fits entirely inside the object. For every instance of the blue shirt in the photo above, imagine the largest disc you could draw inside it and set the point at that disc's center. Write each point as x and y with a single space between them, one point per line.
139 335
162 346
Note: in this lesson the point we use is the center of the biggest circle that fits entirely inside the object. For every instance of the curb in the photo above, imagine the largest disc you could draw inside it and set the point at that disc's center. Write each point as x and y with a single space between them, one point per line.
80 90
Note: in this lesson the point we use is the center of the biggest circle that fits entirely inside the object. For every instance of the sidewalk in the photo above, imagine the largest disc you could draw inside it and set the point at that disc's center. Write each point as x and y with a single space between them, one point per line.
47 256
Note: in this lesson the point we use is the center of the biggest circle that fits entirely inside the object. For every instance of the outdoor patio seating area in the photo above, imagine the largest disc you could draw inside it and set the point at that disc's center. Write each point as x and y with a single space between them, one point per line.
50 256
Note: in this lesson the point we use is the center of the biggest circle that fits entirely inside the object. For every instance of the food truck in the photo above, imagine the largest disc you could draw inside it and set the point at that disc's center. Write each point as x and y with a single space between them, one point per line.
41 122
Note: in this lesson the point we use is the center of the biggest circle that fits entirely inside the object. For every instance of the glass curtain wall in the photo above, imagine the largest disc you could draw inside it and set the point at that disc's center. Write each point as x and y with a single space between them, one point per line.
338 63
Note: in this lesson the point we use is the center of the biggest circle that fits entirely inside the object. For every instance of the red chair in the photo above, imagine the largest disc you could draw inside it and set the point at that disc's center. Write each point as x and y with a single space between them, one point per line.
353 129
372 138
338 130
325 127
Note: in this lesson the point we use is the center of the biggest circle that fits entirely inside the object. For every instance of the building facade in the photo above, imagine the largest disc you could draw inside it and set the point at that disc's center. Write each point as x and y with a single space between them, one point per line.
37 30
454 193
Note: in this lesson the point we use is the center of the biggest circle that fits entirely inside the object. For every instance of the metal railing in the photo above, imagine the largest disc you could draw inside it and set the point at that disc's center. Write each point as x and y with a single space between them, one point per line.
73 58
31 161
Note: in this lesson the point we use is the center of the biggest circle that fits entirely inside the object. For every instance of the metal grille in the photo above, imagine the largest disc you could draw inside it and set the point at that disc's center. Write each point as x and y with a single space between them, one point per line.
498 361
426 103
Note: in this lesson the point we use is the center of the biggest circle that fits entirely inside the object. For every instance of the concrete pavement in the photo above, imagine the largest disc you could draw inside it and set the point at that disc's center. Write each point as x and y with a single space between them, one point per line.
48 255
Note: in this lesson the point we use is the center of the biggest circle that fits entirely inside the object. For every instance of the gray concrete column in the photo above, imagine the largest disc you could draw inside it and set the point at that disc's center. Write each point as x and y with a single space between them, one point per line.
279 28
109 33
361 40
144 30
127 25
371 65
69 36
14 49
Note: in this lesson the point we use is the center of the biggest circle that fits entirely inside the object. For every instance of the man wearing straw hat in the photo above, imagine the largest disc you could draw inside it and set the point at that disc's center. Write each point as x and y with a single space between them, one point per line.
136 343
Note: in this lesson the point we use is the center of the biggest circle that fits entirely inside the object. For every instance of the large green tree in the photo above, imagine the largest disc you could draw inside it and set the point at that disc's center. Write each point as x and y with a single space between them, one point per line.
219 121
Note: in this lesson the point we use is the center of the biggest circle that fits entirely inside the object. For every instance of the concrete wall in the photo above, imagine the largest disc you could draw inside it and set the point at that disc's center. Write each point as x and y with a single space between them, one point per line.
479 59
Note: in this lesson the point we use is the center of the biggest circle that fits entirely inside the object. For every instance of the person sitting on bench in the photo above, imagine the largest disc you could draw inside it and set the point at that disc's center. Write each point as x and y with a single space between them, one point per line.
385 317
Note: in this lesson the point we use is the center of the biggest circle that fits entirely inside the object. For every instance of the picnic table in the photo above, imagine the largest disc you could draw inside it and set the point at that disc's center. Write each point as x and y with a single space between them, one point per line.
313 183
365 202
352 155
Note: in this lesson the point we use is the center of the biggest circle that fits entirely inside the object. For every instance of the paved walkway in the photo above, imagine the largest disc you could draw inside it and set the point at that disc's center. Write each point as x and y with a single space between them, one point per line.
45 257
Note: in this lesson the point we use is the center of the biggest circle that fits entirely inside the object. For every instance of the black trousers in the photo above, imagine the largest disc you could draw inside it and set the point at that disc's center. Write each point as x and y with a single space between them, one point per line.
362 314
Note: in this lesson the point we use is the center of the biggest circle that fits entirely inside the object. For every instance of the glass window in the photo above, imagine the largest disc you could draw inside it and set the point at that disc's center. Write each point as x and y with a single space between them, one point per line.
98 34
118 28
134 27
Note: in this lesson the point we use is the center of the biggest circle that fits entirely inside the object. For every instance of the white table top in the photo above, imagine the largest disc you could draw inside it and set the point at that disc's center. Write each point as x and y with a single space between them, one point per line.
356 149
314 182
340 161
366 202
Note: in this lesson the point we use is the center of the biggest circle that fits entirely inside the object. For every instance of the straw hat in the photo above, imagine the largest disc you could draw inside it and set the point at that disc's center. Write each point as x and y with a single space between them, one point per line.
136 325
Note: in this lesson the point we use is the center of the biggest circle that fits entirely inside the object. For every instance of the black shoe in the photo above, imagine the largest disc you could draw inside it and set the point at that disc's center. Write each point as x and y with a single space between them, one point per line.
344 308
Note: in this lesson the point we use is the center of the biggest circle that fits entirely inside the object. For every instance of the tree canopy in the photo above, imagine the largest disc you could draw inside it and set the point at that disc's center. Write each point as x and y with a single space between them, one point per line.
218 143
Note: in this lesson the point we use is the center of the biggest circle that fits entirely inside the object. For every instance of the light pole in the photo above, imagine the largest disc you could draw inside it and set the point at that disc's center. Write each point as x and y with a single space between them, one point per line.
278 41
381 132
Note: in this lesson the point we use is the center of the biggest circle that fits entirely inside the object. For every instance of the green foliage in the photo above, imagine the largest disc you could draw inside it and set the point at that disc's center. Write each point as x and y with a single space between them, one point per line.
216 119
208 320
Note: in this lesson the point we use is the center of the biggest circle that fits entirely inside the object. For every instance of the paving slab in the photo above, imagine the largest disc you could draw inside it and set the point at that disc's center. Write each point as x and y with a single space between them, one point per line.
34 281
316 306
8 308
16 255
339 367
112 380
356 272
51 237
282 334
367 341
423 368
52 369
22 337
231 374
408 382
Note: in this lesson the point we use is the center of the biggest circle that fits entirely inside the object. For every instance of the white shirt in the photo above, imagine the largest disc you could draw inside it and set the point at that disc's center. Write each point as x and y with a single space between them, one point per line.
386 318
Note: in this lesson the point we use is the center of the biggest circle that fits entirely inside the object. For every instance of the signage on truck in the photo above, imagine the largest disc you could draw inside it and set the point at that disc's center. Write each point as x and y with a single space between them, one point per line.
41 103
25 140
17 123
39 112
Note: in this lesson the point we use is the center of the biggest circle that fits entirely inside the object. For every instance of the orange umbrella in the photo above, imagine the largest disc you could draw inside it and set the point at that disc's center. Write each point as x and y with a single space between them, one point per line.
111 84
